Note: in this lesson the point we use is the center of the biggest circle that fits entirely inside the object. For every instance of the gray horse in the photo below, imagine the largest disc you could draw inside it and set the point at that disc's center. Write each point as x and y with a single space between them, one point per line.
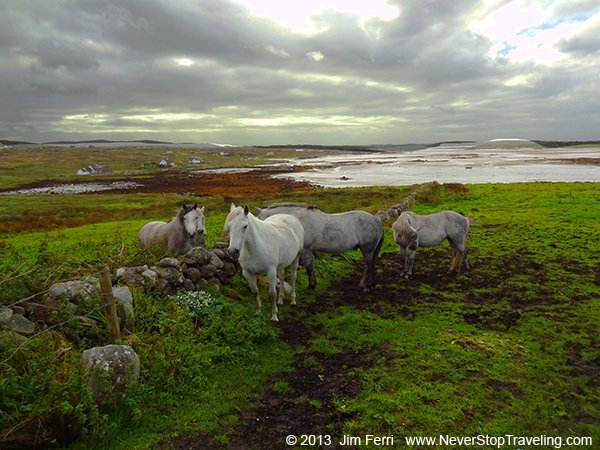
412 231
334 233
179 235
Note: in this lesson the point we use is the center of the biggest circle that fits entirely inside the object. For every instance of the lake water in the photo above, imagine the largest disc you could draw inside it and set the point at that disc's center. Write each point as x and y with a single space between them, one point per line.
451 164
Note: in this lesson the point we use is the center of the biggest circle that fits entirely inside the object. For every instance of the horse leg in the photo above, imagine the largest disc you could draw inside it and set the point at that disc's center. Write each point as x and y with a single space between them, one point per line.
410 261
370 256
281 280
294 274
459 254
368 277
307 258
272 276
404 258
466 260
252 281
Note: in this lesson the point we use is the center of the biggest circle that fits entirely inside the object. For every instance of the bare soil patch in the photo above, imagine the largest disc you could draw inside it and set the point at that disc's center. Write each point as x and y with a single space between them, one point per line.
200 183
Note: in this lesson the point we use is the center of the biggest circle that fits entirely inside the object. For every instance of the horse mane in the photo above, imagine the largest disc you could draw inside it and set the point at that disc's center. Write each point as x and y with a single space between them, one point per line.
405 227
291 205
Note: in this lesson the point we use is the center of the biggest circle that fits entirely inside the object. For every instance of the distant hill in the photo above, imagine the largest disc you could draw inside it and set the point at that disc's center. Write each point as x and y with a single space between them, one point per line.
506 144
554 144
7 142
105 141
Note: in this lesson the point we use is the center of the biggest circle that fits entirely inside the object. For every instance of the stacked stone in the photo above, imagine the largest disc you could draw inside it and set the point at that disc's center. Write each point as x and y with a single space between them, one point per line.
196 270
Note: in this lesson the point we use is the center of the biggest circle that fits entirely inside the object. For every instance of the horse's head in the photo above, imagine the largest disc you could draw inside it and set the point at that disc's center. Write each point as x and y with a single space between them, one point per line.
192 218
236 226
404 233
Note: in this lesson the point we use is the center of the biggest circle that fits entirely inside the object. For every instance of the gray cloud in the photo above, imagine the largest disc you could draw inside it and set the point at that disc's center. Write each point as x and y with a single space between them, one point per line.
107 69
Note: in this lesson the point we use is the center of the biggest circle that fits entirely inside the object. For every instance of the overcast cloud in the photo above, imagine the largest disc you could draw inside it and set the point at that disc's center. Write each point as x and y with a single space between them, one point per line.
217 71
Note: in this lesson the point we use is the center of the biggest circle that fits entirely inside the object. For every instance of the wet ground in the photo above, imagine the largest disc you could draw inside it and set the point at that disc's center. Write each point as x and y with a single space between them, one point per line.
319 384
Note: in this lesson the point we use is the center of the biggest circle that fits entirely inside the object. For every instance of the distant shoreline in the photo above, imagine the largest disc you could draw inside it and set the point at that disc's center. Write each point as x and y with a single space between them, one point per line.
105 143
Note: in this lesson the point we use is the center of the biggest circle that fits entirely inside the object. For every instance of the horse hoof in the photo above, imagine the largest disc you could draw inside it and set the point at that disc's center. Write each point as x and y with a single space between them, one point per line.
274 318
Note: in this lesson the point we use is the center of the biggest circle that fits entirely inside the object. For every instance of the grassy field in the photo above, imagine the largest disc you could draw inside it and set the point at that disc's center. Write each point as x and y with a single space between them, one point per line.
21 165
510 349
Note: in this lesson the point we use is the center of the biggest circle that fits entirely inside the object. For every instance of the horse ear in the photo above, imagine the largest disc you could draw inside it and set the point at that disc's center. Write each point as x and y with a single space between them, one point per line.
259 210
246 210
202 209
195 206
232 207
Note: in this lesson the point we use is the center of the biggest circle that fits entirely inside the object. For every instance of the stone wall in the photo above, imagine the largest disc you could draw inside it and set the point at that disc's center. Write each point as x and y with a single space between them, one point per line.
196 270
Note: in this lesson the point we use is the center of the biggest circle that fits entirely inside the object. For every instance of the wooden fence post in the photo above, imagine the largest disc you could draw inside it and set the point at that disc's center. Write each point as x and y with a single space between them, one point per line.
109 305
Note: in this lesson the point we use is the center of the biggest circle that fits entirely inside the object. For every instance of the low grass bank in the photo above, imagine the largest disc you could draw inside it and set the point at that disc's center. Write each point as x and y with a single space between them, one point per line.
511 348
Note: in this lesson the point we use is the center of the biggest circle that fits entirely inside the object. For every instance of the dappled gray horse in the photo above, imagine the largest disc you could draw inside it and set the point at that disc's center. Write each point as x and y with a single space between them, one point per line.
412 231
334 233
179 235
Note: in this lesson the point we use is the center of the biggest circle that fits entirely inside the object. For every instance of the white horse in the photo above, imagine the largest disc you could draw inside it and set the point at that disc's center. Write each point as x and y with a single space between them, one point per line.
179 235
412 231
265 247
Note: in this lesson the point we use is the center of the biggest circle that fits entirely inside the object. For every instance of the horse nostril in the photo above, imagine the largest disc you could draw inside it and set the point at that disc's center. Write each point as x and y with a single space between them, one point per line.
234 252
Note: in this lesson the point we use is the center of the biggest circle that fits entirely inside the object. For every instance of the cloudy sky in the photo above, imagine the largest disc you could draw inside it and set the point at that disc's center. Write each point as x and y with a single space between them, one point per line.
310 71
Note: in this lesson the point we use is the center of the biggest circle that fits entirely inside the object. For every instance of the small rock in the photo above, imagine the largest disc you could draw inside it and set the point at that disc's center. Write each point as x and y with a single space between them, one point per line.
222 254
215 283
229 268
207 271
42 313
197 256
169 262
124 301
216 261
18 310
188 284
170 274
150 277
5 315
193 274
21 325
136 276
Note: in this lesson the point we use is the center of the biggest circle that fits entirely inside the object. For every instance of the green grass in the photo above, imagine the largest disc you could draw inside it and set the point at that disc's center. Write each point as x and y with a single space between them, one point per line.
448 358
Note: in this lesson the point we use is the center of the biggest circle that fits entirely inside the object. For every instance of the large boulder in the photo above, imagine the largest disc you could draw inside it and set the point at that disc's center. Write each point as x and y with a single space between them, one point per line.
110 371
